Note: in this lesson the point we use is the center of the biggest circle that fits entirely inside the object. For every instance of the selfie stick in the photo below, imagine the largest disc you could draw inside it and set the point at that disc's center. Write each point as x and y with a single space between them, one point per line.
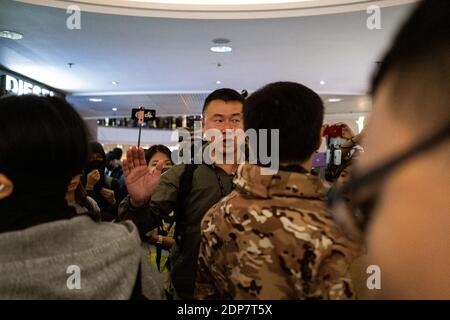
140 117
139 138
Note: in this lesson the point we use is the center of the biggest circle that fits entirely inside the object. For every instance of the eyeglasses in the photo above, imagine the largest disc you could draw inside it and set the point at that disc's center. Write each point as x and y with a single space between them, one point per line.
354 203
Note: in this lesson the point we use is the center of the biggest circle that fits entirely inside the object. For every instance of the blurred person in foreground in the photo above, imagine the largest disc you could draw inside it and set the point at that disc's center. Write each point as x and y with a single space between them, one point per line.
401 188
43 242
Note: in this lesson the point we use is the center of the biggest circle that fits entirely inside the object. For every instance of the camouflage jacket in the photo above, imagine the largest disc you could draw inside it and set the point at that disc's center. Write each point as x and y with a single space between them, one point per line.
273 238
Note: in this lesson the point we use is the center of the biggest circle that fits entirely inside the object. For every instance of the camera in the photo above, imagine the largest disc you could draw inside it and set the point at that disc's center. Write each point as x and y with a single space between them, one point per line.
334 140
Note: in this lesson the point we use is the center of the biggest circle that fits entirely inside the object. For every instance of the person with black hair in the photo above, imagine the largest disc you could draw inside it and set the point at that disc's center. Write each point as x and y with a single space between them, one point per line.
156 153
187 189
47 251
114 170
161 239
401 182
113 163
273 237
102 188
77 197
163 236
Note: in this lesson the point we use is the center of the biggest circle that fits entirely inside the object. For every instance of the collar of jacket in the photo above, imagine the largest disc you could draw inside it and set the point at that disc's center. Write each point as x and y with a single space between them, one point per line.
283 183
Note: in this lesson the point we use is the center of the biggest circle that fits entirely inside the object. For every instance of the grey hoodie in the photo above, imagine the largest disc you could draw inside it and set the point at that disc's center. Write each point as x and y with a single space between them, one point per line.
42 262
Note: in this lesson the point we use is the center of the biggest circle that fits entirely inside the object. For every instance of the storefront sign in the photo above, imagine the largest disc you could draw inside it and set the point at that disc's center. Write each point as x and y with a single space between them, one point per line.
20 87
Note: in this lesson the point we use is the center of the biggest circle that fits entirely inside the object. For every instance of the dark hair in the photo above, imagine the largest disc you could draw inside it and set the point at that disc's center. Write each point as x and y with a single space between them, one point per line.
419 64
117 153
96 148
47 127
149 153
114 154
295 110
50 129
224 94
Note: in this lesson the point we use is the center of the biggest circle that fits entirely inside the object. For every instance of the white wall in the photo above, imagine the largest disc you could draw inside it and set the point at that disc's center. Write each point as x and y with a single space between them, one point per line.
129 136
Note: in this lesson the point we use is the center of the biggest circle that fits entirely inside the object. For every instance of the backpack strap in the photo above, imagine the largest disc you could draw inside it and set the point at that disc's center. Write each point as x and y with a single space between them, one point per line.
184 190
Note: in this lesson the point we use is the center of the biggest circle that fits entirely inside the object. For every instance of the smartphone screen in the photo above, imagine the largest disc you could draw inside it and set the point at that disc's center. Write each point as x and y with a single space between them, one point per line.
319 160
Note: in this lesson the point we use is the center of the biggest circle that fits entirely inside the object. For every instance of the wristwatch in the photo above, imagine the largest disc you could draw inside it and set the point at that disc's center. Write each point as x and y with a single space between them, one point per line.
160 239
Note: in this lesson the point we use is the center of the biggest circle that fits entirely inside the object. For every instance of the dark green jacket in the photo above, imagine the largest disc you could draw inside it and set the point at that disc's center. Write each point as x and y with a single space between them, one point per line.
209 184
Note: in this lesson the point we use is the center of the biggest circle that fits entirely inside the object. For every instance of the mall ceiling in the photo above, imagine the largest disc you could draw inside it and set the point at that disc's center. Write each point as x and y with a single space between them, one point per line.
165 62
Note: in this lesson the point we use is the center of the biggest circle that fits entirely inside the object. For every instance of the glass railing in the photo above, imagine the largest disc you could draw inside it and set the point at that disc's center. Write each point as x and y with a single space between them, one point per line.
169 123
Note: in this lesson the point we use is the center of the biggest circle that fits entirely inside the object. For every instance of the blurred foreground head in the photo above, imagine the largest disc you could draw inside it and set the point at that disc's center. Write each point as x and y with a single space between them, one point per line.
408 235
43 145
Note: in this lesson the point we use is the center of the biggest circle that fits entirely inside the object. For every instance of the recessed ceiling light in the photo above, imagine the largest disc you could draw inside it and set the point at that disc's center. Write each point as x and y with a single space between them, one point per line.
334 100
11 35
322 82
114 109
95 100
218 82
114 82
221 49
221 41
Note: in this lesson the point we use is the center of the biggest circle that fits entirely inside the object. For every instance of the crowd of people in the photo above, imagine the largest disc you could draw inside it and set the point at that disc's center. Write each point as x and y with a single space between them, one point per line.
228 230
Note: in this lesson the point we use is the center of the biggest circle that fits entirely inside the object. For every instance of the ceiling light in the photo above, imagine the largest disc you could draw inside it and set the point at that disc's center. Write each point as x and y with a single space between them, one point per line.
334 100
114 82
114 109
221 41
322 82
95 100
221 49
10 35
218 82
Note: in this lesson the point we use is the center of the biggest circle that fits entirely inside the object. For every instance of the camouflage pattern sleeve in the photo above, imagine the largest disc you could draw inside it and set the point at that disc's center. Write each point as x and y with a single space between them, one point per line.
204 286
333 280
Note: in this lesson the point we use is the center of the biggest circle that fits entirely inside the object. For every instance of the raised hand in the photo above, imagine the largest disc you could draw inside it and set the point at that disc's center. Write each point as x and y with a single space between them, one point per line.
141 183
92 178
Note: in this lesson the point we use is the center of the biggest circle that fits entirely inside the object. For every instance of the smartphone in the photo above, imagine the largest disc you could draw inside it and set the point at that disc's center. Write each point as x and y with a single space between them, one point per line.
319 160
337 157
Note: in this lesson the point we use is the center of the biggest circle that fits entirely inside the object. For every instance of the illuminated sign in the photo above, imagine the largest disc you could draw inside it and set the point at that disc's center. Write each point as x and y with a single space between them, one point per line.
20 87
